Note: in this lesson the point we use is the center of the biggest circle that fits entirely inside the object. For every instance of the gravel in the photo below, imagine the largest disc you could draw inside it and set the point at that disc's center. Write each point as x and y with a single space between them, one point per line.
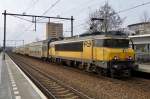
95 86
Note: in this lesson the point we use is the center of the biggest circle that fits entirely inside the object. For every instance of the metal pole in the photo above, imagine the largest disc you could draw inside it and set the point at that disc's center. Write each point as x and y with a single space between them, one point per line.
23 46
36 16
15 44
49 20
4 42
35 24
71 26
23 42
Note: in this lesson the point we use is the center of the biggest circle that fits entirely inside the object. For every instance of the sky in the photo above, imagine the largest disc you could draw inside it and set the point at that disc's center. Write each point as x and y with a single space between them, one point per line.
22 30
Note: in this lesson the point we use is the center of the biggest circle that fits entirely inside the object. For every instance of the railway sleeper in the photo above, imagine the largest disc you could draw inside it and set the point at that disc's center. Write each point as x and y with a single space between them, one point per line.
55 87
60 89
68 95
63 91
74 97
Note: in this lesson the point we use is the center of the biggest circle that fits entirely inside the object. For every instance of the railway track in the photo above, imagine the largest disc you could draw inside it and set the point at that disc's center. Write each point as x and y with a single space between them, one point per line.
50 86
97 86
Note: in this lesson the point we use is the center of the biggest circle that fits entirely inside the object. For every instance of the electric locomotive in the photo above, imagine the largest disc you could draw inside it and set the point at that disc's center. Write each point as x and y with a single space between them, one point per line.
106 54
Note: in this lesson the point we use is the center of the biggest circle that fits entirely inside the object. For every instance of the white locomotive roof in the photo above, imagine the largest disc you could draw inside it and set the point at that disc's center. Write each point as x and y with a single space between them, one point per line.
78 39
144 35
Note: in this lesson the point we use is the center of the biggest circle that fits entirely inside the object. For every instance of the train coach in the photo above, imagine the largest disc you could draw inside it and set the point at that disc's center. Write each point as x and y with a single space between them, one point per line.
19 50
34 49
37 49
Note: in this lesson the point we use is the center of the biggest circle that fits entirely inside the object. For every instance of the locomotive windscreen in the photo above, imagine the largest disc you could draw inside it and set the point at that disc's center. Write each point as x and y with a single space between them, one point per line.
112 43
116 43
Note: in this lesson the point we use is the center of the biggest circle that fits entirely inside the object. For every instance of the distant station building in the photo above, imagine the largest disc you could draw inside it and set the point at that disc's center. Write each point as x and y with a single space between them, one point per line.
142 46
140 28
54 30
140 35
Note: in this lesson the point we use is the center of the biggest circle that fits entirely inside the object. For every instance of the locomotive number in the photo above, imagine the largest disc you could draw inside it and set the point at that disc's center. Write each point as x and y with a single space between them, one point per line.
87 44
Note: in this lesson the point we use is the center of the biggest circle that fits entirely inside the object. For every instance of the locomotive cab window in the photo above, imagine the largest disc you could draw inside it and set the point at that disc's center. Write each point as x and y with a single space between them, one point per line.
112 43
116 43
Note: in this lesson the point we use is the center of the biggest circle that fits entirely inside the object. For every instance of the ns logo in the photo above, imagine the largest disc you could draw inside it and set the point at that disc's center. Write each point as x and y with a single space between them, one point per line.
87 44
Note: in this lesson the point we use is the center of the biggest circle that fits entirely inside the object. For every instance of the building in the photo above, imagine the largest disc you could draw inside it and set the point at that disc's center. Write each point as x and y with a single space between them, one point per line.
54 30
141 46
140 28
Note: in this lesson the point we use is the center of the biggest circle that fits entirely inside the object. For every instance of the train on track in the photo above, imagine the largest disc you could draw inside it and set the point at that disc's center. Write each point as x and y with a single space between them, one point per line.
104 53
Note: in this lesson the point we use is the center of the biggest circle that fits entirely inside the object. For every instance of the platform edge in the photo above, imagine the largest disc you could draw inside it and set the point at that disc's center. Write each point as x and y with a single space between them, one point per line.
31 83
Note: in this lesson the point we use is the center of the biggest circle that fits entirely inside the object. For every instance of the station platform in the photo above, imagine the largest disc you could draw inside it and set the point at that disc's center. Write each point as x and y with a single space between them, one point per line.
14 84
144 68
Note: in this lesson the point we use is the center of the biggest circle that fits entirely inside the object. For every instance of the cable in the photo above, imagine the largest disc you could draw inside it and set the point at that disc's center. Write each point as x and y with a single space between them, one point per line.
133 7
82 7
51 6
44 13
79 25
35 2
58 21
23 31
22 18
121 11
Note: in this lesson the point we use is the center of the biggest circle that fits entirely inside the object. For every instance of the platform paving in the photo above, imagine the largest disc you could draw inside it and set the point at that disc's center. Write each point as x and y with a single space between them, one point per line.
14 84
5 87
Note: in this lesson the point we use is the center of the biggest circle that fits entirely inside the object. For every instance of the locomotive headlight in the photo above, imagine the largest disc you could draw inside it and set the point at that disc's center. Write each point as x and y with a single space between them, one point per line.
116 57
130 58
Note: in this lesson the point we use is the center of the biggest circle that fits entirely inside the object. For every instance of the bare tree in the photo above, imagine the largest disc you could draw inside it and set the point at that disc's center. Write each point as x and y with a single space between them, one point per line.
145 17
111 20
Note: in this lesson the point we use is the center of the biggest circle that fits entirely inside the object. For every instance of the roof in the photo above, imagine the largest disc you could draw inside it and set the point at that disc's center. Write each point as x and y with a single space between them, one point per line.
144 35
91 37
139 24
39 41
110 33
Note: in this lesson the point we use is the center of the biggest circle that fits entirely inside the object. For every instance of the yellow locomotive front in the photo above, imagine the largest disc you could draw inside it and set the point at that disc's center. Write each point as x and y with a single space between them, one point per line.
99 53
115 56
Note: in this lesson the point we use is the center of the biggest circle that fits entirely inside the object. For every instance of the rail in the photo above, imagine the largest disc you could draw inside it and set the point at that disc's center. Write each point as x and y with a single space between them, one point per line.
52 87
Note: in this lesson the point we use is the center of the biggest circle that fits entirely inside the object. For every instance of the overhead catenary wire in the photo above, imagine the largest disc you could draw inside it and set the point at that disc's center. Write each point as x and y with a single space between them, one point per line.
28 8
74 8
125 10
49 8
22 18
23 31
131 8
82 7
121 11
35 2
